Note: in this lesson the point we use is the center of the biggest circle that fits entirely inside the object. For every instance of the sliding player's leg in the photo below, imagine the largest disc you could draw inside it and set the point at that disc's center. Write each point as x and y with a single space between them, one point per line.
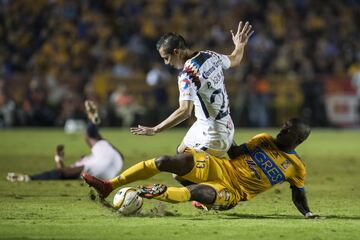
212 189
209 195
180 164
197 192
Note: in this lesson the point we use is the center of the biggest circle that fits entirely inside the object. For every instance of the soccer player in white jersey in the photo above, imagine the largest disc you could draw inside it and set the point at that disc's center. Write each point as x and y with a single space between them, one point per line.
105 161
201 85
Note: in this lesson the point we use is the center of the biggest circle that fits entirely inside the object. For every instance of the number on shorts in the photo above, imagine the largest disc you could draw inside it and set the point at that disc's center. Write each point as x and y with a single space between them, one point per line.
200 163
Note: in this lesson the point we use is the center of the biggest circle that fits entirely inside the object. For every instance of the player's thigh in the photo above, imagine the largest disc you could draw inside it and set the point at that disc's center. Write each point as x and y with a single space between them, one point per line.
225 198
205 168
71 172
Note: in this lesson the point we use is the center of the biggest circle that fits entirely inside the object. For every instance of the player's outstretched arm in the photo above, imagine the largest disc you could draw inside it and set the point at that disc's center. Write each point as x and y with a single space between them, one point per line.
182 113
300 201
59 156
240 40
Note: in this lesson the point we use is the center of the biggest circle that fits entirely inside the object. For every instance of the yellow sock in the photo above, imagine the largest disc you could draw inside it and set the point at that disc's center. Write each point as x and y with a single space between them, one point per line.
139 171
175 195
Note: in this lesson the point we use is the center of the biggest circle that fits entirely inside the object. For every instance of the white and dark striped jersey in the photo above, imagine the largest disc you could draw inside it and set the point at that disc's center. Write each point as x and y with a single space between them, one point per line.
202 81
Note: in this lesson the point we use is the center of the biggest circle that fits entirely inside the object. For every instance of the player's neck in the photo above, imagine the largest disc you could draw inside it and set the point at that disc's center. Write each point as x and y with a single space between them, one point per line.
284 147
188 53
287 149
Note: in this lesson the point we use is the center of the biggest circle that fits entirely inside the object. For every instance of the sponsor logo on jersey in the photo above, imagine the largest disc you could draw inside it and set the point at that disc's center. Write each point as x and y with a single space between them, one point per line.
207 73
252 165
224 194
185 84
266 164
285 165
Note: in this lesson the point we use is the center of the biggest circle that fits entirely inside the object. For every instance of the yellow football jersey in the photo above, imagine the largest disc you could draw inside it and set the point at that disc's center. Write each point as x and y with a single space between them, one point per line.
263 166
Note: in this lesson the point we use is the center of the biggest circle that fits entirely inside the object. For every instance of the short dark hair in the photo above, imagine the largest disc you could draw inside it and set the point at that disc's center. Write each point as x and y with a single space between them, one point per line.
170 41
303 128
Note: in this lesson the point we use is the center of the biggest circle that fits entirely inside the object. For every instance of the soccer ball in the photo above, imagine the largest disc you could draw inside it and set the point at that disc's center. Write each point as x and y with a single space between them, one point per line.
127 202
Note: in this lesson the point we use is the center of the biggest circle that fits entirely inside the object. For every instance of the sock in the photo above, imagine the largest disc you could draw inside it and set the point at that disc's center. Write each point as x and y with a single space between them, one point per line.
140 171
175 195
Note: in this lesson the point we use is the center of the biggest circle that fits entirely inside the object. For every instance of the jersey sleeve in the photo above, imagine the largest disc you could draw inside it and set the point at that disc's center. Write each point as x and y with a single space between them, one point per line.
186 87
225 61
299 179
263 136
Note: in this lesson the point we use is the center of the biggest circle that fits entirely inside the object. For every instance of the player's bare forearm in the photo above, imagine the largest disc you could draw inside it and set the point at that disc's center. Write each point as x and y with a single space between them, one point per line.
59 155
236 56
300 201
178 116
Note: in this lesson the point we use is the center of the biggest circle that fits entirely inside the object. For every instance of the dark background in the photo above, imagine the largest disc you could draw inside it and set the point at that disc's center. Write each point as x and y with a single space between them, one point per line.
303 60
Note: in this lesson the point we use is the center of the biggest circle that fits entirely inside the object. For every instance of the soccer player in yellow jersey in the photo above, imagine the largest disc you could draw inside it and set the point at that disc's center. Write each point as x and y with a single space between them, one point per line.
220 184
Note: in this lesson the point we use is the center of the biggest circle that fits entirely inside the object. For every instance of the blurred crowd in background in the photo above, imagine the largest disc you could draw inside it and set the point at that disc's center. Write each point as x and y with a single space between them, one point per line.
56 53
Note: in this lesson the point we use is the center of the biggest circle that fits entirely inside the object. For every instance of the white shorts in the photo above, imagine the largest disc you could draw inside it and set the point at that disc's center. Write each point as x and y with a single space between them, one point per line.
104 161
215 138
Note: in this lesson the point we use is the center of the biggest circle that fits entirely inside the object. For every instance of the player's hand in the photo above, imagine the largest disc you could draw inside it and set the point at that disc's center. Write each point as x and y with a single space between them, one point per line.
142 130
242 35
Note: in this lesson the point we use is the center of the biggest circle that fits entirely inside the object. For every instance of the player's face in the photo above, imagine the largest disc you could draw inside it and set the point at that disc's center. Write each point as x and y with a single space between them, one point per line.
288 135
172 59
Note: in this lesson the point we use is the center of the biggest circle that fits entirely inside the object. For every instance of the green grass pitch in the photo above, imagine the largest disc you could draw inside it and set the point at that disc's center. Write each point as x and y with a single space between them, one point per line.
63 209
